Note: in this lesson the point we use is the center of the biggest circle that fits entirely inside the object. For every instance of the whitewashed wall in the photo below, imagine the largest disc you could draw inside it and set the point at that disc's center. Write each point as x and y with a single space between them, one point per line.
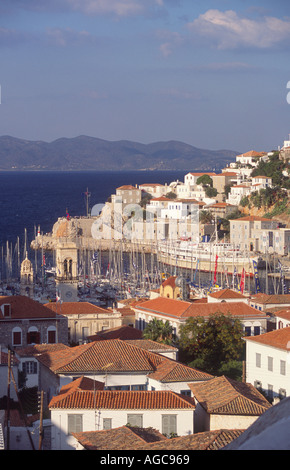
93 421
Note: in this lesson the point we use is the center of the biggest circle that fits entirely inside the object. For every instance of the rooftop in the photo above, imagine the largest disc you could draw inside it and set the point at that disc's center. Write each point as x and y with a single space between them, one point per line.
225 396
23 307
277 339
182 309
122 438
121 400
227 294
271 299
76 308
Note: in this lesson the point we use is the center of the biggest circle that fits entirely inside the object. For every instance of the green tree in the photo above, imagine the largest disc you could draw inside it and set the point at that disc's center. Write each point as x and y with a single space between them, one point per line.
170 195
205 180
159 331
210 192
211 343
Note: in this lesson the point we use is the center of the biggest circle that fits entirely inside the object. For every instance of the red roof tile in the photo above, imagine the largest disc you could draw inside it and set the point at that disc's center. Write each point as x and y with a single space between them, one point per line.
181 309
122 438
23 307
76 308
278 338
209 440
227 294
225 396
121 400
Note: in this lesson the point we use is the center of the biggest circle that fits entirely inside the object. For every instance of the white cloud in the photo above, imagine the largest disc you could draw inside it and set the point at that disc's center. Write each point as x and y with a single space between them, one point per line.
228 30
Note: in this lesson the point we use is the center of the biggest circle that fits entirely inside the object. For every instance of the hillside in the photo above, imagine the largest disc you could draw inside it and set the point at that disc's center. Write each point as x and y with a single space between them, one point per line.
90 153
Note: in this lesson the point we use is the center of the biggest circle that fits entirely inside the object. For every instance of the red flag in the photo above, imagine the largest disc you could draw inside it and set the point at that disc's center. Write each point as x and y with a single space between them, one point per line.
242 285
215 269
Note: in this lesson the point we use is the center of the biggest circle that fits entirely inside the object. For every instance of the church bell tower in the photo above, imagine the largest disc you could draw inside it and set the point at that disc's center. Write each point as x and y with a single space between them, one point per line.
66 271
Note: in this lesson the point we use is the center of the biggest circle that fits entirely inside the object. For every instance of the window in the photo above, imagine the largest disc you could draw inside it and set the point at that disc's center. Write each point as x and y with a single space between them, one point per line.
107 423
135 420
138 387
282 367
282 393
185 392
29 367
17 337
258 360
74 423
257 330
248 330
33 336
169 425
51 336
270 363
7 310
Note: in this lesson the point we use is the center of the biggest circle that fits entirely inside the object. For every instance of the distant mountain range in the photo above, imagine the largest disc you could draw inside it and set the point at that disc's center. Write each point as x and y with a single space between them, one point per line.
90 153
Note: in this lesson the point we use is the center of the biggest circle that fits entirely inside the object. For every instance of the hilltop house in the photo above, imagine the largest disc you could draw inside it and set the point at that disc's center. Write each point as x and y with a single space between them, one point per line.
82 409
223 403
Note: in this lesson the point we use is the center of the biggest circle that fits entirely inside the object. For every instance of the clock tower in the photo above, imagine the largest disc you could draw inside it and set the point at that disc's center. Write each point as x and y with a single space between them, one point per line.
66 271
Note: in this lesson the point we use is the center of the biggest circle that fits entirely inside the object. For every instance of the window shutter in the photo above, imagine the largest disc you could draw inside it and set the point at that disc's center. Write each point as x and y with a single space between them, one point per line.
169 424
75 423
135 420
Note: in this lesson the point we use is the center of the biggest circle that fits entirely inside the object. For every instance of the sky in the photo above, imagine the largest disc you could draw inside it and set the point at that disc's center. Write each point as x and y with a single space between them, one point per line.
214 74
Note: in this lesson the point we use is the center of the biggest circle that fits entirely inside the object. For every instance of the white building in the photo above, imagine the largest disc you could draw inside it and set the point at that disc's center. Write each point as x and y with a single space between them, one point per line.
237 192
268 362
78 409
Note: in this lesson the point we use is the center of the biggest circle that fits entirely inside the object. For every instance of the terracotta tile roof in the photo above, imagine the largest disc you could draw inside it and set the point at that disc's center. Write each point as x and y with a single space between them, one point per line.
121 400
172 371
227 294
252 153
122 438
23 307
120 332
277 338
36 349
285 313
209 440
76 308
82 384
150 345
164 305
161 198
170 281
225 396
108 355
4 359
181 309
17 420
271 299
127 187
